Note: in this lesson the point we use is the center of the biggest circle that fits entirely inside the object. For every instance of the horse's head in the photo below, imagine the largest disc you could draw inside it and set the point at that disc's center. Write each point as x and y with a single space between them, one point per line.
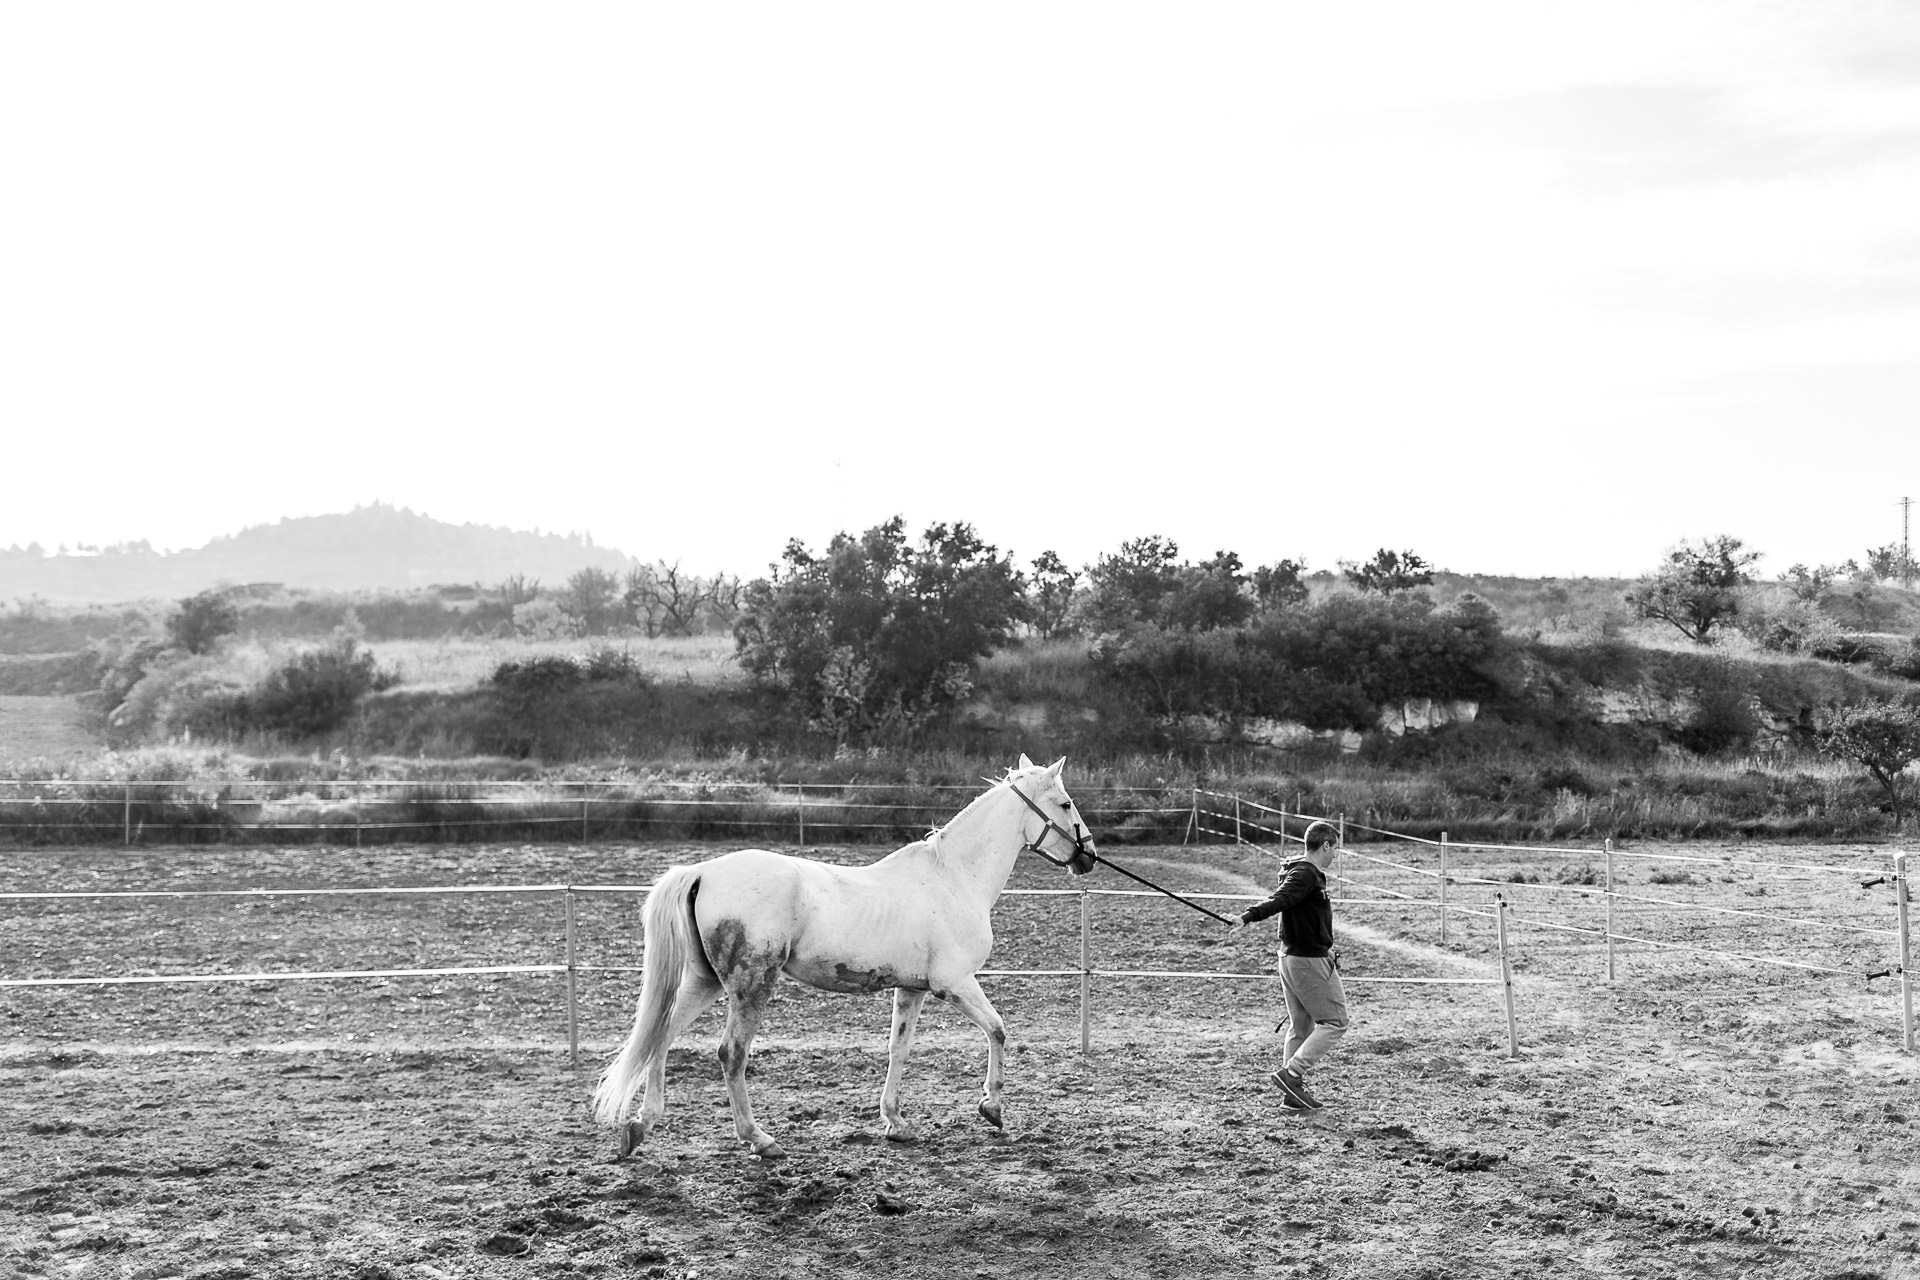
1060 828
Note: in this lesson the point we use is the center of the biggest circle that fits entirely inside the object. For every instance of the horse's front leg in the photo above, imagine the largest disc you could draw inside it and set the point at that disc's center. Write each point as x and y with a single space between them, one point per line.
906 1017
968 998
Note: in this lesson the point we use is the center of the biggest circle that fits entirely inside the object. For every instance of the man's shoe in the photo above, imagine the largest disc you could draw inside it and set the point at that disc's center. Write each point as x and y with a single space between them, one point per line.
1294 1086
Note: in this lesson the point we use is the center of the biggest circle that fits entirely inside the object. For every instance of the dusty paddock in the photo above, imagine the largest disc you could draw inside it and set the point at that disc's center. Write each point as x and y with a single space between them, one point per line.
1697 1116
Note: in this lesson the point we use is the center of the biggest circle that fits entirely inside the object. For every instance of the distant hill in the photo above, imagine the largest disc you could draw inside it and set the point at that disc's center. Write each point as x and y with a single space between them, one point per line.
373 548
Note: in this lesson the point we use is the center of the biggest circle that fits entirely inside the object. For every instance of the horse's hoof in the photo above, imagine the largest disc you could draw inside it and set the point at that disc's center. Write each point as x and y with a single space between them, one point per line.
632 1134
990 1112
903 1135
771 1151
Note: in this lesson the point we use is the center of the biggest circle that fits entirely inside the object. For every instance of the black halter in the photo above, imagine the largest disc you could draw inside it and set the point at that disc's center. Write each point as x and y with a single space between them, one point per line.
1080 850
1078 835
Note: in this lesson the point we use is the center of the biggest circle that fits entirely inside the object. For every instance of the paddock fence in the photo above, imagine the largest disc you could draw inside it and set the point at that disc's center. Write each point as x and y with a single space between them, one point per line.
1582 905
363 812
1469 892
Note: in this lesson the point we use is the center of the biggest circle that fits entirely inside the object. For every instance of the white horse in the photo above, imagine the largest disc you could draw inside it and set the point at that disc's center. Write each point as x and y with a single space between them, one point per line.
916 921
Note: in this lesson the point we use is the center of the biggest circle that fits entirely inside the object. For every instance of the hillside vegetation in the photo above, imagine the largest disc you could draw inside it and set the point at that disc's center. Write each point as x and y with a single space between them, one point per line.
1399 695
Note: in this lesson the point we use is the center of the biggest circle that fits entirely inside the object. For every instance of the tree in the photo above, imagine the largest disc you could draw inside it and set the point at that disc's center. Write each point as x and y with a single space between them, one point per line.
519 589
201 622
1811 585
589 599
664 600
878 635
1147 583
1891 561
1281 585
1050 595
1388 572
1881 735
1130 586
1698 587
1209 596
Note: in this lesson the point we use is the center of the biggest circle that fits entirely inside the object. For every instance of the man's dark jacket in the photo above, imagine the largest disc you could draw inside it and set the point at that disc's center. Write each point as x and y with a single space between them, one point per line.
1305 911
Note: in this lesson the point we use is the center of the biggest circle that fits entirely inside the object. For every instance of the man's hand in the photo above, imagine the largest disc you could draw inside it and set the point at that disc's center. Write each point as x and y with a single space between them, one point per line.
1236 925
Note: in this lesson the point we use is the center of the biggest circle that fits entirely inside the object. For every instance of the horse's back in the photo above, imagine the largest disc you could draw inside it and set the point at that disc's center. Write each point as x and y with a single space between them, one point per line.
841 928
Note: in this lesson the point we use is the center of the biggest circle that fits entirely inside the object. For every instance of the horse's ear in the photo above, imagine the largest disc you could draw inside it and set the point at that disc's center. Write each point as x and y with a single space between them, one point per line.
1024 762
1053 770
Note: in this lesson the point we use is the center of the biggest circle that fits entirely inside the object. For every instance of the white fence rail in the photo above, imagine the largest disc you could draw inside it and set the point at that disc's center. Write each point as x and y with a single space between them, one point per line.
1458 897
1880 951
572 967
358 811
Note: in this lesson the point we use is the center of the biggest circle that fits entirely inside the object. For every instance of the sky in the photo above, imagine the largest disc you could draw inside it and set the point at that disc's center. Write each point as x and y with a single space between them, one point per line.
1529 289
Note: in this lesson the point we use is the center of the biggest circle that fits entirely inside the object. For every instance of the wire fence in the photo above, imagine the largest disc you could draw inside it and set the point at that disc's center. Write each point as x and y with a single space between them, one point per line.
1579 905
362 812
572 967
1572 904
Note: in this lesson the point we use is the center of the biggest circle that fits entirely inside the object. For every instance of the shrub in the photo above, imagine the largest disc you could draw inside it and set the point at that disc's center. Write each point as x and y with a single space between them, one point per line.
1724 719
202 621
1794 626
538 676
1903 661
543 620
313 694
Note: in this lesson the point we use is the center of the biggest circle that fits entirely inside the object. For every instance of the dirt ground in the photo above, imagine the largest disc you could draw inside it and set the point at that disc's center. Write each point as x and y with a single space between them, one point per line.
1696 1116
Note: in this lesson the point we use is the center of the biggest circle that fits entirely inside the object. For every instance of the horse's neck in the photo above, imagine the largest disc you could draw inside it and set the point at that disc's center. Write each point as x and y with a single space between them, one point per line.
981 844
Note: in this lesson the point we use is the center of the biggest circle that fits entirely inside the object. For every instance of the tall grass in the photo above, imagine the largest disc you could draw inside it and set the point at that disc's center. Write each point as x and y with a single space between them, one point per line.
456 663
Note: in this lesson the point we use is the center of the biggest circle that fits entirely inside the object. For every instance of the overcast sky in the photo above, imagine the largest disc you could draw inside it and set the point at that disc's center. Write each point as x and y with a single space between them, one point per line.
1530 288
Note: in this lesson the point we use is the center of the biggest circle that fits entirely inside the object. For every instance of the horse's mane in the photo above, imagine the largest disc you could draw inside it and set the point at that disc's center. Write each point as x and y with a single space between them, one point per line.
932 840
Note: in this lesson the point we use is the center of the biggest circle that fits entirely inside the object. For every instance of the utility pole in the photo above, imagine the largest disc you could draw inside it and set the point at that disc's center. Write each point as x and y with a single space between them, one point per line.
1906 547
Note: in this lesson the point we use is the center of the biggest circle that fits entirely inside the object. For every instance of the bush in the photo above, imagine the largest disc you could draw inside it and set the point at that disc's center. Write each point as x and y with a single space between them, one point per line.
1902 662
313 694
1724 720
1793 626
549 674
202 621
537 677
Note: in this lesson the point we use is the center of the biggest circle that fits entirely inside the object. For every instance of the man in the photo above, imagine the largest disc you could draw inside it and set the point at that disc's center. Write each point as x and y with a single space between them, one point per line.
1309 974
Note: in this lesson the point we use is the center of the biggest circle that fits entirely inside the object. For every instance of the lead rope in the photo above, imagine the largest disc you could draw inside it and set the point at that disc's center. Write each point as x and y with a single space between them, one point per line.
1079 838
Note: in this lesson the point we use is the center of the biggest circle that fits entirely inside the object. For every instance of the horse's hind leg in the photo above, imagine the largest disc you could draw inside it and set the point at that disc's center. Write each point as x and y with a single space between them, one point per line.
968 998
746 1006
696 995
906 1016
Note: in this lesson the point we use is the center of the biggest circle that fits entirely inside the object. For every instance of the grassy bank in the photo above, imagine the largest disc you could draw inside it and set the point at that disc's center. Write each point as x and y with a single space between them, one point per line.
1629 735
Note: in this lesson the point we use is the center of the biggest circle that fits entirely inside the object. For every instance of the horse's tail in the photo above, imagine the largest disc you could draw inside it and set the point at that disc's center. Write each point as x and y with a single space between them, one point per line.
668 924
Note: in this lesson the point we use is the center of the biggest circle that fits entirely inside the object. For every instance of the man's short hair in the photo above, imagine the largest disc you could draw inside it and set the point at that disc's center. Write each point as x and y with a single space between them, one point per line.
1320 834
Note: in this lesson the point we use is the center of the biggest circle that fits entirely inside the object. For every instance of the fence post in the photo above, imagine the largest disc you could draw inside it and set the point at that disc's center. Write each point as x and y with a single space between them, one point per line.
126 815
573 1006
1443 888
1902 897
1343 830
1193 820
584 802
1086 973
1609 848
1237 838
800 807
1506 978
